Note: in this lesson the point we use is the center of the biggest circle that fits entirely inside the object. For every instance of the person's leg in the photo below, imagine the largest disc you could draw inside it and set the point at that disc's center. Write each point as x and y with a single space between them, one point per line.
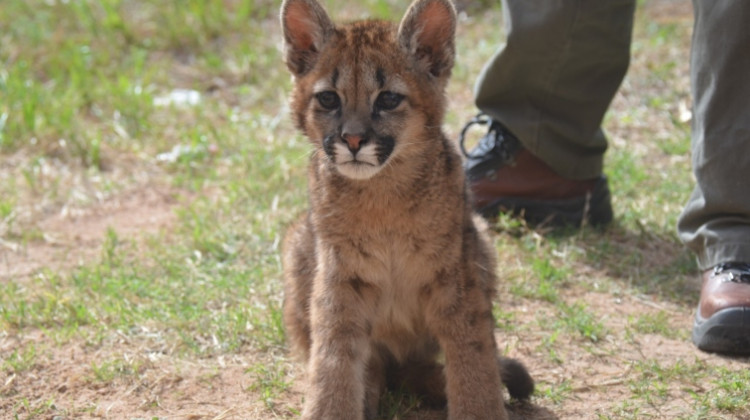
715 223
549 87
552 82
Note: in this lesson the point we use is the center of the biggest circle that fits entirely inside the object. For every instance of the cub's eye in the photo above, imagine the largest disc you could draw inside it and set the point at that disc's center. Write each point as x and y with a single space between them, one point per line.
387 101
329 100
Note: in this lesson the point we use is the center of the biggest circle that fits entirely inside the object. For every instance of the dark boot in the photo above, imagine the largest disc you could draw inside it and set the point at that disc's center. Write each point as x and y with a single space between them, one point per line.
505 177
722 320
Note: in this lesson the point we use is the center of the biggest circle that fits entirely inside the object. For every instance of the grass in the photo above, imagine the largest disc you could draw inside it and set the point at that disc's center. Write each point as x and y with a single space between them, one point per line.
20 360
270 382
158 314
656 323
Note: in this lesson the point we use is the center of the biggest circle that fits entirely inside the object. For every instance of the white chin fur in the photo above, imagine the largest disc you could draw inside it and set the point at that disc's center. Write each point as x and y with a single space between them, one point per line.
364 167
357 170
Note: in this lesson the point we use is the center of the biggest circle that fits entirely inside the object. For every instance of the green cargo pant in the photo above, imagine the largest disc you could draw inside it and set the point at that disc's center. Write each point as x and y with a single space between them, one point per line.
563 62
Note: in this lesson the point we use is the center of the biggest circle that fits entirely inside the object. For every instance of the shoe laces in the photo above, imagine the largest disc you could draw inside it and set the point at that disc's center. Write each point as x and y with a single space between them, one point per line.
736 272
498 141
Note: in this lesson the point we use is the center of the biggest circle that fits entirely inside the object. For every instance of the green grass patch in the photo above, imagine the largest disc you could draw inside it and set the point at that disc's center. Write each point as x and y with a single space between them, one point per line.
271 381
20 360
657 323
555 393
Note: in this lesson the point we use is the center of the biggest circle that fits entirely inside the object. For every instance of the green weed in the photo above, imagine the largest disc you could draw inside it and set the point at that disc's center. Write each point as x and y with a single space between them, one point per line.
657 323
398 404
576 318
555 393
270 382
20 360
545 284
108 371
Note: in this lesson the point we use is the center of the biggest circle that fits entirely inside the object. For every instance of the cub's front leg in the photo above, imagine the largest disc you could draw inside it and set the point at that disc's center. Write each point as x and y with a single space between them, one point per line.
463 323
340 348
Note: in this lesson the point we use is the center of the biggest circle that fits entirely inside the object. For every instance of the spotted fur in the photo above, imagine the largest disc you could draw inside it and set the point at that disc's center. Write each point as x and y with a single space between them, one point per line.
389 268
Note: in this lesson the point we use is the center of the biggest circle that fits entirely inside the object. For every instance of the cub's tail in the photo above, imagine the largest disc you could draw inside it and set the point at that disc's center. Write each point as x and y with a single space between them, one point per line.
427 380
516 378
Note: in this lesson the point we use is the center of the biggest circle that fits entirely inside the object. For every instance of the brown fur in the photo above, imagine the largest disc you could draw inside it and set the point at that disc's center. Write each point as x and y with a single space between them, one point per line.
389 266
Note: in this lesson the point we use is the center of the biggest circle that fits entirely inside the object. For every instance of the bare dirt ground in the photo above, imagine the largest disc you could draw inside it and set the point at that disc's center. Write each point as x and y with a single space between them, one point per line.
70 238
165 386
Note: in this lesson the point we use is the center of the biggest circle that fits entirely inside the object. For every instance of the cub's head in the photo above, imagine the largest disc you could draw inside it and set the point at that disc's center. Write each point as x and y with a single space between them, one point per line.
369 93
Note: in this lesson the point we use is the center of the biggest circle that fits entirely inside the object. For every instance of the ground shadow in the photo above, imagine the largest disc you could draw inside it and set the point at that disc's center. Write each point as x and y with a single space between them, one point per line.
516 411
653 261
529 411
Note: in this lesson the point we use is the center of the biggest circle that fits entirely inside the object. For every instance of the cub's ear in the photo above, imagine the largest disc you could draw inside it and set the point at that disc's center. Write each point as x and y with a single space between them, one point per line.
306 28
427 33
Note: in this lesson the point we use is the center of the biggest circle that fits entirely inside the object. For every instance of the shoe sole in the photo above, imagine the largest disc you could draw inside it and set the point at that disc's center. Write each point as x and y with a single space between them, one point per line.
726 331
594 209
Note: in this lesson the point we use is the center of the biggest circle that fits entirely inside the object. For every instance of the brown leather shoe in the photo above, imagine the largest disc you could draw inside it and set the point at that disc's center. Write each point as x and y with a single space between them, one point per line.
722 320
505 177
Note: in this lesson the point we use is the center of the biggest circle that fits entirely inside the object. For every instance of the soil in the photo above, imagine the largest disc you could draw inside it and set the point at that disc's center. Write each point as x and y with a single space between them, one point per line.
161 385
72 237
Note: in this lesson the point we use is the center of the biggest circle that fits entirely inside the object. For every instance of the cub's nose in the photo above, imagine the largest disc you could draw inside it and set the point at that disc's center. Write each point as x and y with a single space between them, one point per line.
354 141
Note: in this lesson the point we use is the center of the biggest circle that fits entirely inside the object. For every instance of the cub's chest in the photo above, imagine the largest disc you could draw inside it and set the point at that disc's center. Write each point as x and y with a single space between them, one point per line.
397 258
397 274
399 322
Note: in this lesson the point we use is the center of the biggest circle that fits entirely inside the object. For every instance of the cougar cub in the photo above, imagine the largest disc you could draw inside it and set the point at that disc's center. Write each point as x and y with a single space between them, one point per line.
389 267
